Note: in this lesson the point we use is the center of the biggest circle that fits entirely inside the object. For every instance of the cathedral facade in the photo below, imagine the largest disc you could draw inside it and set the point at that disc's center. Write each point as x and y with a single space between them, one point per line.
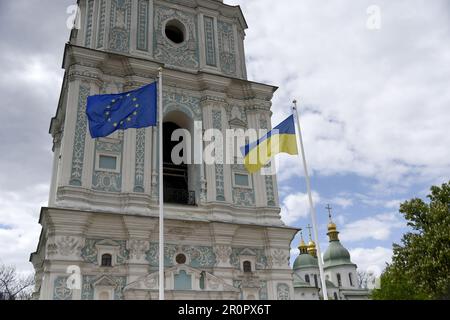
224 238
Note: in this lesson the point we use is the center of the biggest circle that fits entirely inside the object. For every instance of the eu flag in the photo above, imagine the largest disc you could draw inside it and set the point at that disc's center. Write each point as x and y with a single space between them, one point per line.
110 112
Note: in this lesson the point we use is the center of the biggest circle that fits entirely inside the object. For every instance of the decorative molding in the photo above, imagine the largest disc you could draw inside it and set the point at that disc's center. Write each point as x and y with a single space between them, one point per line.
142 25
252 283
177 100
182 55
210 41
280 258
120 26
60 290
90 282
223 254
198 256
89 252
139 171
283 292
268 179
261 259
80 137
101 25
89 22
138 248
242 196
104 180
227 49
220 187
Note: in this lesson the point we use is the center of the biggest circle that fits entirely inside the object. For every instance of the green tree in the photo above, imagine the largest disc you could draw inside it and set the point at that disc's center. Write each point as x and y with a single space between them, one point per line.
420 267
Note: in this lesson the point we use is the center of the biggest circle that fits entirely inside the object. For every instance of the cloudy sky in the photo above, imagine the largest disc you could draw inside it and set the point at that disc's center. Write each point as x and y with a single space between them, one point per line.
375 106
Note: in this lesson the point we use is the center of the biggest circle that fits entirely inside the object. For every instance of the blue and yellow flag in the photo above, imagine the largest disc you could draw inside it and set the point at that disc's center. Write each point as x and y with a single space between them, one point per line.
110 112
281 139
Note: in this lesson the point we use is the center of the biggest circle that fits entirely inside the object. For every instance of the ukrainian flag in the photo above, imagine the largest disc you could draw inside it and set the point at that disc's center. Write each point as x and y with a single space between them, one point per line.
281 139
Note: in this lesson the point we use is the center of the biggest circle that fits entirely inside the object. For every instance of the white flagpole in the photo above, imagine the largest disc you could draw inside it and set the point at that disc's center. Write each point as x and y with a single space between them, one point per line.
161 180
311 205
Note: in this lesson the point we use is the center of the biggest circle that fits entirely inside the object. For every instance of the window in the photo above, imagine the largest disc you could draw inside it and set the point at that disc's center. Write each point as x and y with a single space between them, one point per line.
335 296
107 162
247 266
106 260
175 31
307 279
316 283
350 278
242 180
339 280
180 258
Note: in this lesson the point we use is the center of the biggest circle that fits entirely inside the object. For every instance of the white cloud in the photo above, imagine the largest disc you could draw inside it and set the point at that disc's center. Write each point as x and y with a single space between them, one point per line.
296 206
378 227
371 259
374 103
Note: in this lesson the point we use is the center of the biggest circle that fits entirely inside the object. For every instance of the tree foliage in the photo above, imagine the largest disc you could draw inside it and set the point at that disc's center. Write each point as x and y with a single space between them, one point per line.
420 267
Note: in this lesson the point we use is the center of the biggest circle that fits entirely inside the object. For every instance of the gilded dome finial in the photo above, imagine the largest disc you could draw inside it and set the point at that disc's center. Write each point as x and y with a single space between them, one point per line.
311 245
302 246
332 229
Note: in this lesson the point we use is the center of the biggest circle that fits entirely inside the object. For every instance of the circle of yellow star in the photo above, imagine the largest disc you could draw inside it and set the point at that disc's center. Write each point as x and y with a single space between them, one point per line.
135 113
109 119
128 95
137 105
134 99
129 119
113 100
115 124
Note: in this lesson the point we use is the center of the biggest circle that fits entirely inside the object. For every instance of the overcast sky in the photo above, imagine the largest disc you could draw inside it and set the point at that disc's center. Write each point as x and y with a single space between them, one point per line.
375 109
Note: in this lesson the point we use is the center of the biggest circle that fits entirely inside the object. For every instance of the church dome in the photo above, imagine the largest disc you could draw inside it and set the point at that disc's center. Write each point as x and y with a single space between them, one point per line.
305 260
336 255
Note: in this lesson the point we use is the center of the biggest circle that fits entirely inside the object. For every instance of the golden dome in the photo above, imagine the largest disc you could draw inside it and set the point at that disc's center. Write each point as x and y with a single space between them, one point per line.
331 226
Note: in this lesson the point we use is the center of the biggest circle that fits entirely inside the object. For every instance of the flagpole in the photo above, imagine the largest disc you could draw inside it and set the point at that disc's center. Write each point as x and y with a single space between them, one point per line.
161 181
311 205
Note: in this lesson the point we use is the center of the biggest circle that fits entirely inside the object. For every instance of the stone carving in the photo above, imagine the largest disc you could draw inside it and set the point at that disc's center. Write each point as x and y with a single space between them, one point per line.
101 24
90 282
68 245
252 283
90 14
210 42
280 258
220 187
89 252
138 248
80 135
227 50
105 180
268 179
182 101
120 26
242 196
222 253
184 54
142 27
140 161
199 256
261 259
283 291
60 290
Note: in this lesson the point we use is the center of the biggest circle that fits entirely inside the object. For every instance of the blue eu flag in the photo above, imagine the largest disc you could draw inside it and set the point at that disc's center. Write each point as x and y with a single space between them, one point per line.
110 112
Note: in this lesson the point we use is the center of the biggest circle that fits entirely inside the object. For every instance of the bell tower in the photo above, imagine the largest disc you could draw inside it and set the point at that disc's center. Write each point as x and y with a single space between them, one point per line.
99 239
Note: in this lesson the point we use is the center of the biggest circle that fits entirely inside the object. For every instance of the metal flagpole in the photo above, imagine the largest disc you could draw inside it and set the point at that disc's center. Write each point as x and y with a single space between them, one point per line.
161 180
311 205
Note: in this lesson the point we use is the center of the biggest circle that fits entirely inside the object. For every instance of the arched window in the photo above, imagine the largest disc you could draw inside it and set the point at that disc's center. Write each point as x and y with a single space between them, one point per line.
175 175
247 266
339 279
316 283
335 296
350 278
307 279
106 260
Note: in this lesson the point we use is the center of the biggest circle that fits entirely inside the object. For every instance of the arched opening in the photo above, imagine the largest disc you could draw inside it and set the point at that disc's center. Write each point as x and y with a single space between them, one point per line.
316 282
106 260
104 295
335 296
350 279
176 176
247 266
339 280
